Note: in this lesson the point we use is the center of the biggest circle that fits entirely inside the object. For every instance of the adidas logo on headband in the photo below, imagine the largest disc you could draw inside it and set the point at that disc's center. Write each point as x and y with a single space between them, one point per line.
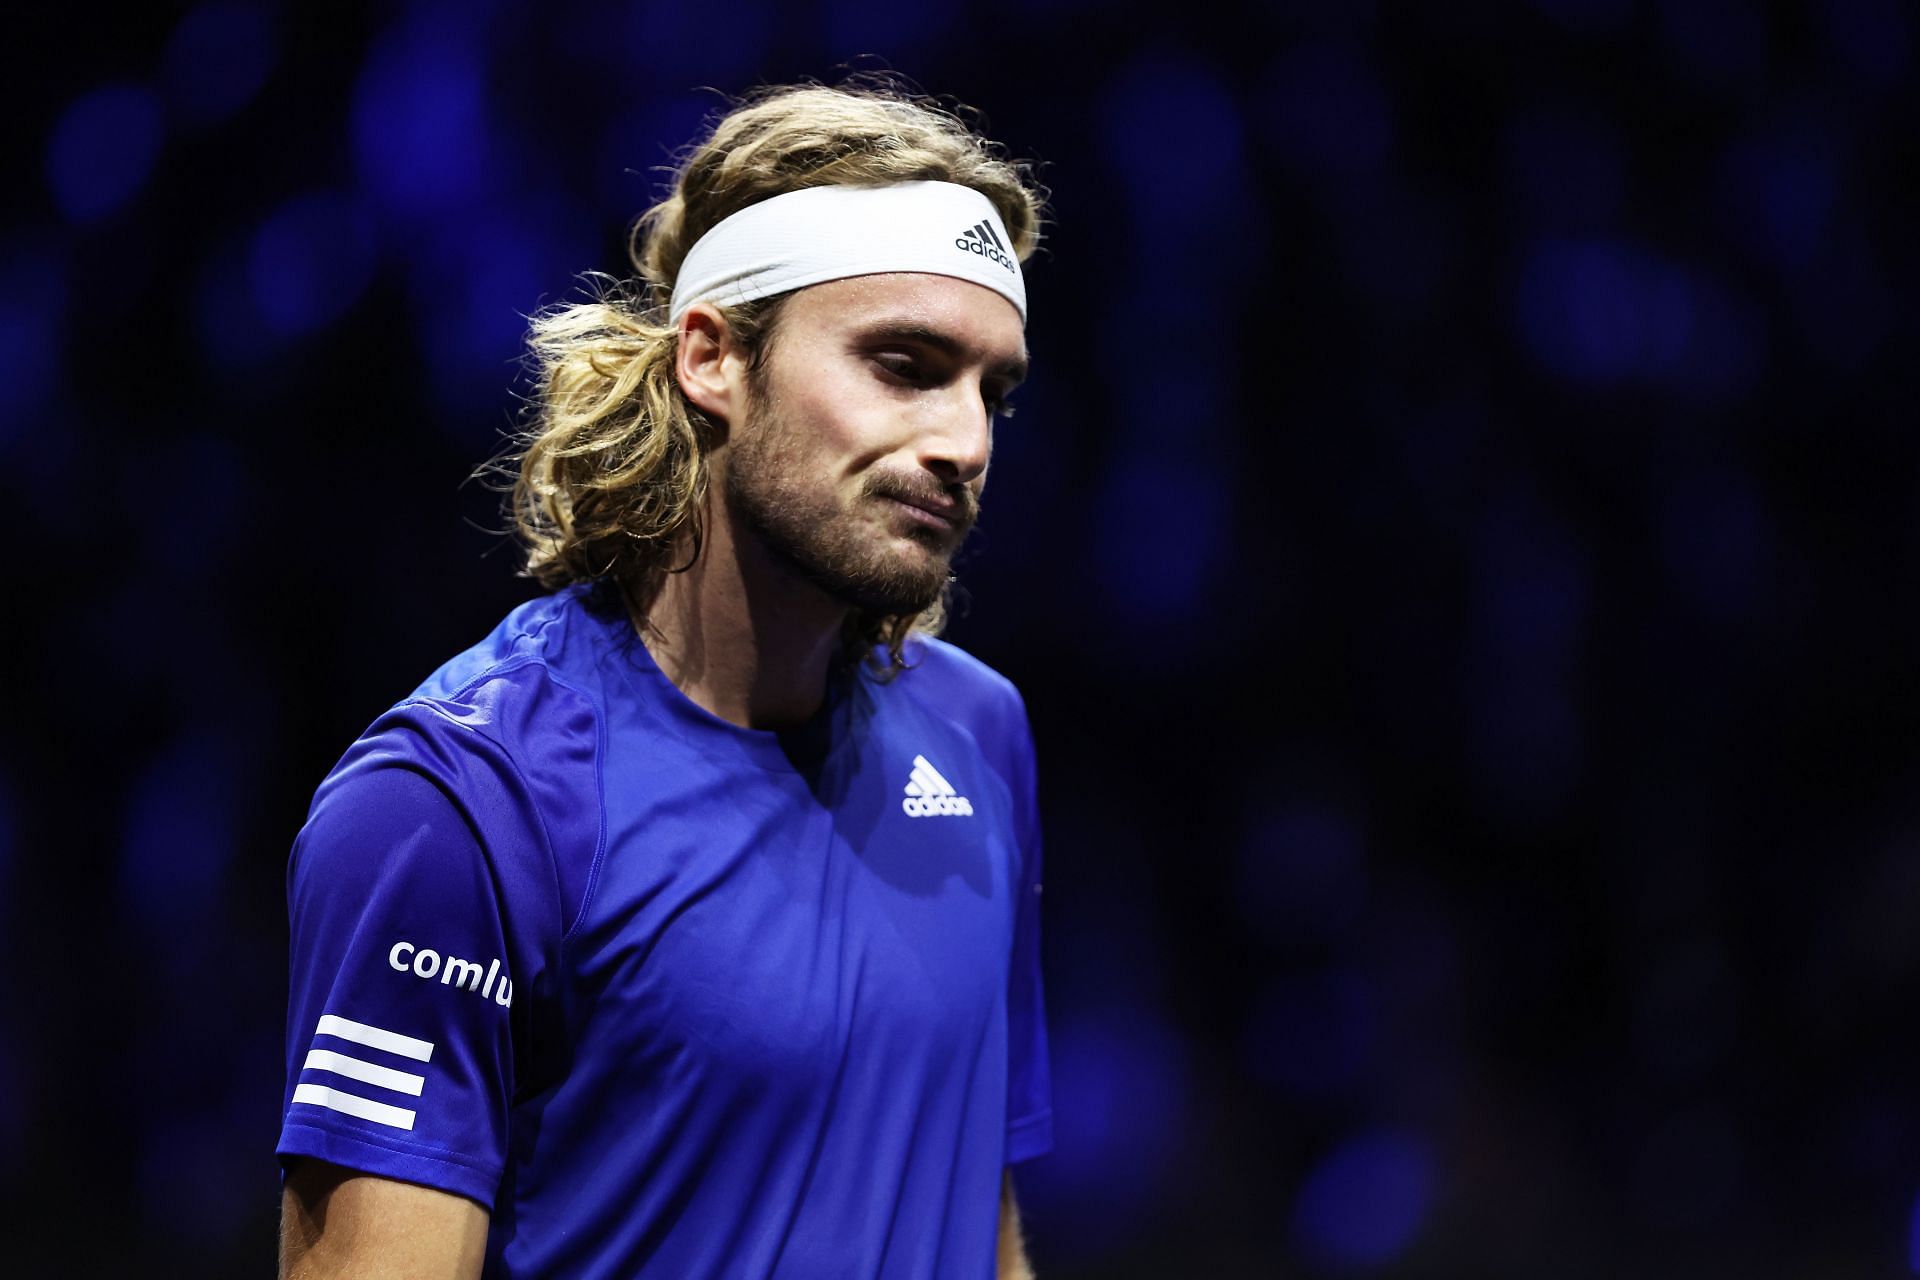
979 238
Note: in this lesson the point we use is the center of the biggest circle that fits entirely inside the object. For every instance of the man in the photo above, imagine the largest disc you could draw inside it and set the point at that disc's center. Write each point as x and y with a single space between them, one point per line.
687 925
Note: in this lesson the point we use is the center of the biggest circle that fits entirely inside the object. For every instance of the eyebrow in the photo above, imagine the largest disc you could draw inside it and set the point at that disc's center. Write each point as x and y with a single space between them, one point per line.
1012 370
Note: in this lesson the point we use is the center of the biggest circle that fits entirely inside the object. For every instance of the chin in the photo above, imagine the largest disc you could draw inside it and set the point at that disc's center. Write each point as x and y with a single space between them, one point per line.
896 588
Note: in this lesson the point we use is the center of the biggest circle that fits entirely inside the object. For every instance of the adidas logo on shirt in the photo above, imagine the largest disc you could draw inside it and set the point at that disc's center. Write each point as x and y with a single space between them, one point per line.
929 795
980 238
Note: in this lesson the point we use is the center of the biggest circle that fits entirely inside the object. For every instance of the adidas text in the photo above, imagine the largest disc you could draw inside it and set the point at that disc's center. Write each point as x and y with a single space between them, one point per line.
933 806
982 239
986 251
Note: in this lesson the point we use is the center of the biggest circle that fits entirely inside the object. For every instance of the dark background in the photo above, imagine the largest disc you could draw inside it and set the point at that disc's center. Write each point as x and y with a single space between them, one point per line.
1458 548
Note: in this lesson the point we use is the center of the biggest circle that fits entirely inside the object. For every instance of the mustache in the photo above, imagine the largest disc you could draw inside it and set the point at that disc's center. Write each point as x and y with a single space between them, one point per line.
900 488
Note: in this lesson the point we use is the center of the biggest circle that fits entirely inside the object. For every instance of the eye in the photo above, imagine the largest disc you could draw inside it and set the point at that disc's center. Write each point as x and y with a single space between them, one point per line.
997 393
902 365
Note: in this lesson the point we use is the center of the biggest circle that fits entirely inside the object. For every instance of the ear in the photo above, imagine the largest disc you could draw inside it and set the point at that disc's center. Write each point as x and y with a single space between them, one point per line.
708 363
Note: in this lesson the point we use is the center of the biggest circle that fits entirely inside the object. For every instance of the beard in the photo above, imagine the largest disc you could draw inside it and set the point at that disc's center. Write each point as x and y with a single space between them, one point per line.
848 552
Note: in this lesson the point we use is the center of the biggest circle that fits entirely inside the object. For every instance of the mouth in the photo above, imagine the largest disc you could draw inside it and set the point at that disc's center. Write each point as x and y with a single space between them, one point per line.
931 513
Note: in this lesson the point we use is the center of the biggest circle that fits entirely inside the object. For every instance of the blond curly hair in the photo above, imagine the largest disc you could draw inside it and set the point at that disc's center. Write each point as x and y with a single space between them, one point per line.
609 476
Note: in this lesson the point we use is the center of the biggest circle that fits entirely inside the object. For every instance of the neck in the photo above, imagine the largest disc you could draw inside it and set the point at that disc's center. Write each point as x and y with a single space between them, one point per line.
741 635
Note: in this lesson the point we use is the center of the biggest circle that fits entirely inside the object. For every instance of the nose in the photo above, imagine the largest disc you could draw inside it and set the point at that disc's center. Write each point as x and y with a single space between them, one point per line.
959 441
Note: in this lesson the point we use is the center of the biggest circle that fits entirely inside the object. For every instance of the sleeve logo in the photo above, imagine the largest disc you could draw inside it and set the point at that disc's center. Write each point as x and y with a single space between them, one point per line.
333 1064
453 971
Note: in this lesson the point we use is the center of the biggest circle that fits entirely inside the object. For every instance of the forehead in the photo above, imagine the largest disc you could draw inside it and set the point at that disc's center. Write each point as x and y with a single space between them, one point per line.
970 313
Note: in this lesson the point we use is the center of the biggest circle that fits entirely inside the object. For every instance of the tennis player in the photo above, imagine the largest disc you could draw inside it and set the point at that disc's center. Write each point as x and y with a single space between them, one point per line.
686 926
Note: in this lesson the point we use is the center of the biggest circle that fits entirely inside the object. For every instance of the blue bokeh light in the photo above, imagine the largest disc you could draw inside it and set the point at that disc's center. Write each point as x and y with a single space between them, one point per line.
658 44
217 60
192 539
181 836
1165 535
1604 312
474 290
1181 399
638 149
1327 111
1364 1204
1120 1084
855 27
1609 313
33 295
1780 190
310 261
1181 114
421 134
103 150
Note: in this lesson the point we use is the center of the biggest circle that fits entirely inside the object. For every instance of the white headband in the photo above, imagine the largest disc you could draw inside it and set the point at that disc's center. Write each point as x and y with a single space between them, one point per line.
819 234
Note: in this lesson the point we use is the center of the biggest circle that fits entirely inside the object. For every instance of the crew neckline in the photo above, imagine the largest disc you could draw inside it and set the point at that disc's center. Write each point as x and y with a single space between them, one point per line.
799 748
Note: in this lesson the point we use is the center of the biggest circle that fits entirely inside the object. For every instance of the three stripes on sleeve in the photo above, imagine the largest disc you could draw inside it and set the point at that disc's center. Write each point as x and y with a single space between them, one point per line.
334 1065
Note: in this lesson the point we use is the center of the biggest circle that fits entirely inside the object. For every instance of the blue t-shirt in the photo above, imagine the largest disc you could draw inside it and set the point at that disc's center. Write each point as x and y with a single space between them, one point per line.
672 997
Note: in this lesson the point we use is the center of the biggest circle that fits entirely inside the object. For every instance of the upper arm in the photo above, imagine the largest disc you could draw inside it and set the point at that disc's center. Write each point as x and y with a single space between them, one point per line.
336 1222
421 919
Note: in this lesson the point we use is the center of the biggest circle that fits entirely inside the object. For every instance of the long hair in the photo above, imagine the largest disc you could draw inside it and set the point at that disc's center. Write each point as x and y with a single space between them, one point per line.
610 473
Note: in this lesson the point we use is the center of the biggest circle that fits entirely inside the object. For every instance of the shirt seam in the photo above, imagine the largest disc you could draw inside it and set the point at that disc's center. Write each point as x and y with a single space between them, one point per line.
567 928
1032 1120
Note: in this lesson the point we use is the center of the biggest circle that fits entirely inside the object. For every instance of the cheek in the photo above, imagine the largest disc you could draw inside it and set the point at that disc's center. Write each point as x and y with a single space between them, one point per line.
848 431
840 414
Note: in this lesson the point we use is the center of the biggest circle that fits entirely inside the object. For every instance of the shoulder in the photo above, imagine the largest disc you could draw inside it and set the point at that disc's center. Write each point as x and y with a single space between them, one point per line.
527 697
498 750
535 670
985 708
952 684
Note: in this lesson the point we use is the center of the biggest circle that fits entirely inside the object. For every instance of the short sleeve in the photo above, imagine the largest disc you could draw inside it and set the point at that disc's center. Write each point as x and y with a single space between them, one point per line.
422 912
1029 1086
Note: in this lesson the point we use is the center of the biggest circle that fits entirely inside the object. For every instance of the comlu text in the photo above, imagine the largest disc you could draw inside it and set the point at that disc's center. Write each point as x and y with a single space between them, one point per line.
453 971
